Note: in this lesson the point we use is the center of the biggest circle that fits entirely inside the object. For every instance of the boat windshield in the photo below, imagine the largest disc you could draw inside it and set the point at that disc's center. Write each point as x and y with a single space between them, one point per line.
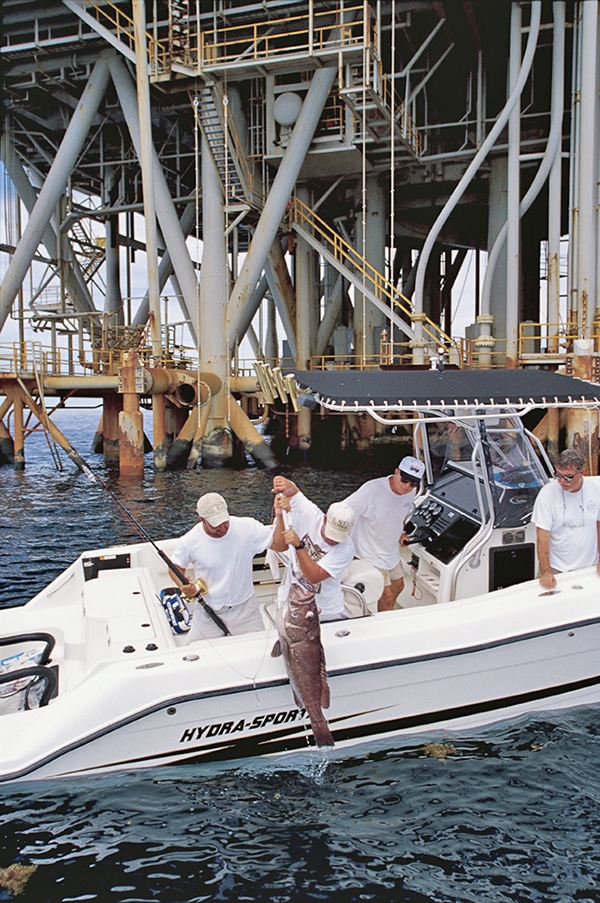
450 441
514 472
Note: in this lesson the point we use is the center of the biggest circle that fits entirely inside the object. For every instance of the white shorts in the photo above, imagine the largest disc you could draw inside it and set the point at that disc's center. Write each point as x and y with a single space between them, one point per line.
241 618
395 573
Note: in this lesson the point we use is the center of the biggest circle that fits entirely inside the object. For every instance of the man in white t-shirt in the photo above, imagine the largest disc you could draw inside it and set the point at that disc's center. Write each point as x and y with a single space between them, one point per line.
322 542
220 549
382 506
567 517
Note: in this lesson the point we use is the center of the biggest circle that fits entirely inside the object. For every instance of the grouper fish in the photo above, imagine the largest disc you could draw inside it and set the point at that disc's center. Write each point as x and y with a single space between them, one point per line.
297 622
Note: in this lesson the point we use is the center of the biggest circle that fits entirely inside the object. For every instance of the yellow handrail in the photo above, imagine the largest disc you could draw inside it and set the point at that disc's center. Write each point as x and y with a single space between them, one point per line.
113 16
291 35
382 288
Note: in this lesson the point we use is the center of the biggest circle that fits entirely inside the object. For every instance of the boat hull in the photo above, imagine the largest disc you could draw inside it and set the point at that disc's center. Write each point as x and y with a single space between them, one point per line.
422 671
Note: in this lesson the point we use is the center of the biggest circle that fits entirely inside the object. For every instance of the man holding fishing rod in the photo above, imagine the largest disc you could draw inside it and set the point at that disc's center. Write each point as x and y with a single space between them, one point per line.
220 549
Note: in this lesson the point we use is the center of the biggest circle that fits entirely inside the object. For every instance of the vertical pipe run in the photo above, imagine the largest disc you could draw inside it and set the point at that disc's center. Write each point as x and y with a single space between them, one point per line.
304 299
146 149
514 194
217 446
280 192
586 246
476 162
147 162
554 189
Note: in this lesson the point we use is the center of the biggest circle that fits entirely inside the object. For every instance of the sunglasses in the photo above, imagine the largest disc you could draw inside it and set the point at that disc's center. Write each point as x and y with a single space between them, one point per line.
566 476
405 479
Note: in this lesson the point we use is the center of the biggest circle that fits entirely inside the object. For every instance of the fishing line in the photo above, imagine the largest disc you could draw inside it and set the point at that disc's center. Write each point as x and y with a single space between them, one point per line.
131 520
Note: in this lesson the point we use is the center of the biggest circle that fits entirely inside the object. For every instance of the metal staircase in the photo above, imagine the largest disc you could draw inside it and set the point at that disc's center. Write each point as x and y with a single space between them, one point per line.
378 110
365 278
211 121
92 250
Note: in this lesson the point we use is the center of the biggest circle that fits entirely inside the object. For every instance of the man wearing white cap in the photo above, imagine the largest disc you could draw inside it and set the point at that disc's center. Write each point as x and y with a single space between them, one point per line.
382 506
220 549
322 542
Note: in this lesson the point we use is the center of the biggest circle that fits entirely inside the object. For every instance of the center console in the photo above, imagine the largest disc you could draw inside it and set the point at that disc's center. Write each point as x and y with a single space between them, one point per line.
448 517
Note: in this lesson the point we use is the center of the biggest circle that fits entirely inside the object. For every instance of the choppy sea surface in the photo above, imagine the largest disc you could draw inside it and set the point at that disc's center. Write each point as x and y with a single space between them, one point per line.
509 813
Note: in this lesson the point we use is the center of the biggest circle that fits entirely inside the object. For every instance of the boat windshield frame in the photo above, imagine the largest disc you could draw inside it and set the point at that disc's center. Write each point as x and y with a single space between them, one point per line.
508 465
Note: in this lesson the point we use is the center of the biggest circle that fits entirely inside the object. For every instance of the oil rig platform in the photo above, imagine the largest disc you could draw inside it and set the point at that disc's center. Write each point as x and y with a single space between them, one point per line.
200 198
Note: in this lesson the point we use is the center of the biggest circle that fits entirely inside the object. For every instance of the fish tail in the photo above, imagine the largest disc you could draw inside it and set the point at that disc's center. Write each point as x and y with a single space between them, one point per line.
322 734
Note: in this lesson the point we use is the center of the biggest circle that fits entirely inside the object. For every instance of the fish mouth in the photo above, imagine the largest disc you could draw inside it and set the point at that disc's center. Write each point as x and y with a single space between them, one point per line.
300 593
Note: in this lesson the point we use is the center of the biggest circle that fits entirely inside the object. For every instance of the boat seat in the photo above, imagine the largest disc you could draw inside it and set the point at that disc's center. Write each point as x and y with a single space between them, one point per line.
362 585
116 615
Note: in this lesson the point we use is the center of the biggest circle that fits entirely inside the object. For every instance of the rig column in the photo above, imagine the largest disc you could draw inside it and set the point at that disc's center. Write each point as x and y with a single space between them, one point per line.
131 426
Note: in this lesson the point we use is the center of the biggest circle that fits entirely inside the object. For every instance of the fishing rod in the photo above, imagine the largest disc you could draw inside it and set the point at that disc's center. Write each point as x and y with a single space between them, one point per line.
94 477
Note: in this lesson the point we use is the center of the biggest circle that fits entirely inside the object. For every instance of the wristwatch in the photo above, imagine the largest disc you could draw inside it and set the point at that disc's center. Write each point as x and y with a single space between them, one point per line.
301 545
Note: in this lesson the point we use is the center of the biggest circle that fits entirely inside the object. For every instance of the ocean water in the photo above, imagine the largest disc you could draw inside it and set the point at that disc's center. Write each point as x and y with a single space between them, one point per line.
509 813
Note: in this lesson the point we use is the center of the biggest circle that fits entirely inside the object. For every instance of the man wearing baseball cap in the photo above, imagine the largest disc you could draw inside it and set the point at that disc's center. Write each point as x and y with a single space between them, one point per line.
322 542
220 549
382 506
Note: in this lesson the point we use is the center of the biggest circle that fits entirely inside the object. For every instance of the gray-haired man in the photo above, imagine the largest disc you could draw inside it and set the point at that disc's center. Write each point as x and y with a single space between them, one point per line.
567 517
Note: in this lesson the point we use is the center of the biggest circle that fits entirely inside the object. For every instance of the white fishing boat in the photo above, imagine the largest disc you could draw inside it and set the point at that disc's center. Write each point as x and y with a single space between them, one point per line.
97 675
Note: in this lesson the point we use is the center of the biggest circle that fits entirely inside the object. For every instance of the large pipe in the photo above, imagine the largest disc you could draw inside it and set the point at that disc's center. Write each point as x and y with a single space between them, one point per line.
555 182
279 195
7 446
165 208
157 380
587 189
179 452
245 385
54 186
146 159
476 162
551 155
245 430
513 234
214 353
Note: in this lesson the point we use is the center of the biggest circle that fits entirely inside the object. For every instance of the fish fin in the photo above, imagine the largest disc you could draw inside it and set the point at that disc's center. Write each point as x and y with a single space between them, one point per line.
322 734
297 699
277 650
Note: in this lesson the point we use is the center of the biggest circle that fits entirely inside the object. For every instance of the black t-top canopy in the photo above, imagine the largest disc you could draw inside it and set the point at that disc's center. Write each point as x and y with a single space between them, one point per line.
401 389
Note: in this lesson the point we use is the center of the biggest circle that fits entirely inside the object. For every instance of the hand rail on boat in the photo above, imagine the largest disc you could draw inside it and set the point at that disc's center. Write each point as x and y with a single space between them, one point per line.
39 637
48 675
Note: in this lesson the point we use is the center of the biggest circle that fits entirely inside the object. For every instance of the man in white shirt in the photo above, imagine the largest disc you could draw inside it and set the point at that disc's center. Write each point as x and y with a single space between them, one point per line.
382 506
322 542
220 549
567 517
